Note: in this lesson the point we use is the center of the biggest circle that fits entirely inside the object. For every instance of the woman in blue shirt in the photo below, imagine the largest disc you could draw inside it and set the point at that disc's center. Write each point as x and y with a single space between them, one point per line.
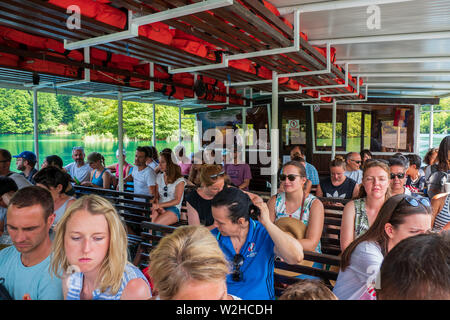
250 241
100 177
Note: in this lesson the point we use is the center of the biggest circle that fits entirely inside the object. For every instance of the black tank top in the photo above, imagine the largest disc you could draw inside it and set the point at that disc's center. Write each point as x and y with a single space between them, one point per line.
344 191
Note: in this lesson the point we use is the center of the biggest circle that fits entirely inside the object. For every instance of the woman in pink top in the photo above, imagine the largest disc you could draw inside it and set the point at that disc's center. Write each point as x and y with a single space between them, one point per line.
126 167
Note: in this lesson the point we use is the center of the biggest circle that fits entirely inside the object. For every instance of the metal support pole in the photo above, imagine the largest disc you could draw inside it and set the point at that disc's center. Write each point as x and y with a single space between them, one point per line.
120 138
36 125
333 143
154 126
274 143
179 125
244 128
431 126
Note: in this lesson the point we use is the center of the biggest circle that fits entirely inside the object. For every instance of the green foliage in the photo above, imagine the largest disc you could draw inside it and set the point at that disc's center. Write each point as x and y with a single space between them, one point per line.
87 116
441 123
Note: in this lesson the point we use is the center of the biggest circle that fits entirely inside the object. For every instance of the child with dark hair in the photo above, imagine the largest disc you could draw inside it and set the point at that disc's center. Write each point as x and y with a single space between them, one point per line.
415 181
250 241
418 268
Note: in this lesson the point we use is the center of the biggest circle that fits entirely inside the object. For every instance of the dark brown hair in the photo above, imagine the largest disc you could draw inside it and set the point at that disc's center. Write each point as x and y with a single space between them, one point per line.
173 171
393 211
442 155
33 195
417 268
295 163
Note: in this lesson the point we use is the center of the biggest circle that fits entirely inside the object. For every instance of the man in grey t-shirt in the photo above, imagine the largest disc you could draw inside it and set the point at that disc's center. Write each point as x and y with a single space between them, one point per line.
78 170
352 168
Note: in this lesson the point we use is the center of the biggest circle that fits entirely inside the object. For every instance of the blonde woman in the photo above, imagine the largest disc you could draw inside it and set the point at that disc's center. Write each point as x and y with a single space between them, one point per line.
90 254
189 265
359 214
100 177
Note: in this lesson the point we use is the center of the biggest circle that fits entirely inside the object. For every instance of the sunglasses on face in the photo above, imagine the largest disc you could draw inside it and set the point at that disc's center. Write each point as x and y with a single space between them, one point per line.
238 261
356 161
291 177
398 175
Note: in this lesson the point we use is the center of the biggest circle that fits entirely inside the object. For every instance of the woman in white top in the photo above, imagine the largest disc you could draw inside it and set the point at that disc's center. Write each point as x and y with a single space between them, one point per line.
400 217
169 191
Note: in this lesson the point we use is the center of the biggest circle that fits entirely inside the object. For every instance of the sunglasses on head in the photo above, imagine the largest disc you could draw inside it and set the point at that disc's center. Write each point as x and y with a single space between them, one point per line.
398 175
291 177
414 201
238 261
220 174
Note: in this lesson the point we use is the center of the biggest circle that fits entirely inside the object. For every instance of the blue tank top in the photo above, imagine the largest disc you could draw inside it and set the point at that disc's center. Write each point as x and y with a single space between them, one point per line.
75 285
98 181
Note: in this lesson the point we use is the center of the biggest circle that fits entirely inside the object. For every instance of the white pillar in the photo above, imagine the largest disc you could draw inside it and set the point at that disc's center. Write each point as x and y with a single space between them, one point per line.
154 126
120 138
274 143
333 143
36 126
431 125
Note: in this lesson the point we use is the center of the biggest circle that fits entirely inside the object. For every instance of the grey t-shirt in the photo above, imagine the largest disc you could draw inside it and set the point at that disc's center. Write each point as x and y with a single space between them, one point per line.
365 263
79 173
356 175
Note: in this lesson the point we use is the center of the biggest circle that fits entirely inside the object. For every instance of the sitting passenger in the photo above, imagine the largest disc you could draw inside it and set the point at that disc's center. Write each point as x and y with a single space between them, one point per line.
352 168
183 161
365 155
398 166
294 203
7 189
418 268
415 181
338 185
90 254
127 167
25 264
78 170
311 171
239 172
359 214
400 217
166 208
189 265
26 162
198 201
100 177
308 290
56 161
55 181
250 245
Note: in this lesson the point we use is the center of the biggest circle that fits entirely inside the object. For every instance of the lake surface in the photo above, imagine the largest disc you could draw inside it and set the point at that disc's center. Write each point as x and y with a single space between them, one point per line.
62 145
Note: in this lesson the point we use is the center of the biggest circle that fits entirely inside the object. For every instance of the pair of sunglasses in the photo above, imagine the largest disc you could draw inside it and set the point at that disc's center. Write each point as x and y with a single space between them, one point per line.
356 161
165 193
414 201
291 177
238 261
398 175
220 174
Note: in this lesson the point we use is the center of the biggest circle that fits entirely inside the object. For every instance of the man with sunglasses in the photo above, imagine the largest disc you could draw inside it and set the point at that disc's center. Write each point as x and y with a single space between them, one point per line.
398 167
352 168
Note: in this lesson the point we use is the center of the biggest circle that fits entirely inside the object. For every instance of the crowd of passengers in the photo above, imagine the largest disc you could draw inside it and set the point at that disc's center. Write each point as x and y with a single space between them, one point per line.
394 234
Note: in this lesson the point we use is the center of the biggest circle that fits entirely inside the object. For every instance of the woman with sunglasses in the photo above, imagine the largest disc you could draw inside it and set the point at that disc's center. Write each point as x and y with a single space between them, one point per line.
400 217
169 191
359 214
198 202
398 166
250 241
294 203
